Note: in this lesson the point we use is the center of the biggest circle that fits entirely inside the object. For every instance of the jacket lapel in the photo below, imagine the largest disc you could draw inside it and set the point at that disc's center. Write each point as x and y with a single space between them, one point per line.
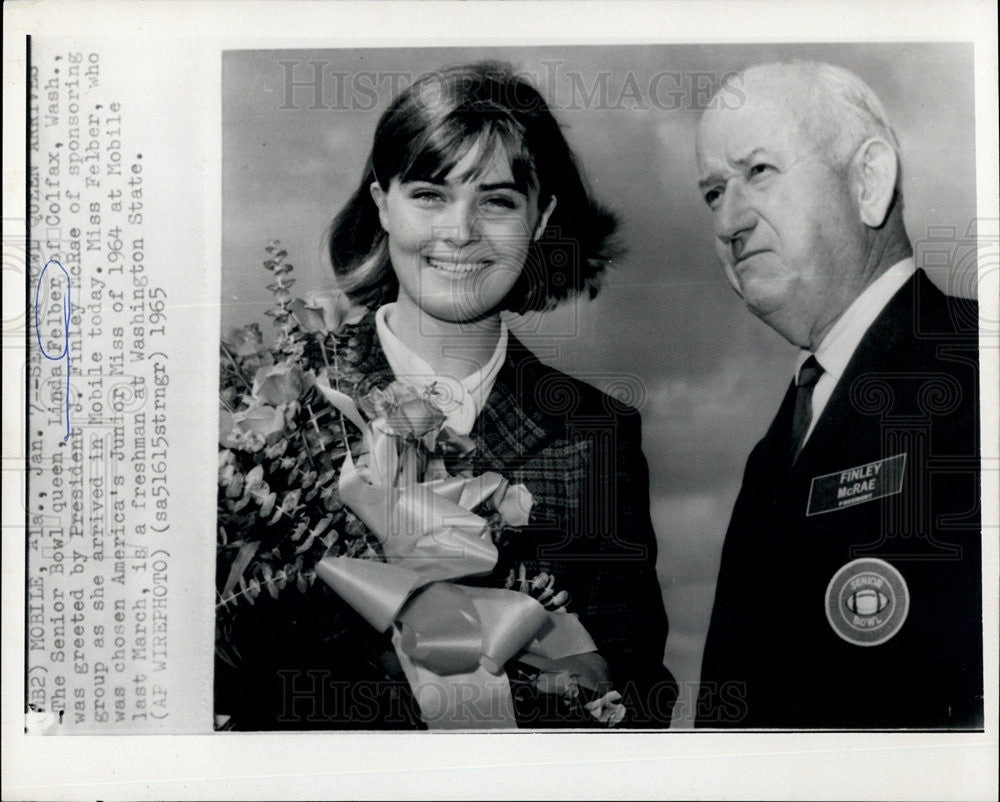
367 357
837 428
511 423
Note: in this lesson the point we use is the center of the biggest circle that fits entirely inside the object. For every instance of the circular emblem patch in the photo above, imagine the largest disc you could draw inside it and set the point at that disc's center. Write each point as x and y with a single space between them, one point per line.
867 601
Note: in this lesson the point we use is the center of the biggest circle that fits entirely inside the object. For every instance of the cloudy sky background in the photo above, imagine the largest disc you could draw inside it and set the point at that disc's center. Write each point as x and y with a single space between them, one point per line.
706 375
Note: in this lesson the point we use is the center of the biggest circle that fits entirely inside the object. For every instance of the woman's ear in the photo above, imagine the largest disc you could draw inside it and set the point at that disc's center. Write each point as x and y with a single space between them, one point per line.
544 219
875 169
378 195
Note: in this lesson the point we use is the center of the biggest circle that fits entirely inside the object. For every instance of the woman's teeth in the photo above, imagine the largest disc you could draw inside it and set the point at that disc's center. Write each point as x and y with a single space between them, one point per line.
451 266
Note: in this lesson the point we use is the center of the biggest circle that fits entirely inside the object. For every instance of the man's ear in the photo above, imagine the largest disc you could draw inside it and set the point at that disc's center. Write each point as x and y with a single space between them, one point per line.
378 195
875 168
544 219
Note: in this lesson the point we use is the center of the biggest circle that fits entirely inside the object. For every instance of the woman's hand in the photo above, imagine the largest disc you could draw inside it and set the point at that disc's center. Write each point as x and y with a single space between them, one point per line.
590 669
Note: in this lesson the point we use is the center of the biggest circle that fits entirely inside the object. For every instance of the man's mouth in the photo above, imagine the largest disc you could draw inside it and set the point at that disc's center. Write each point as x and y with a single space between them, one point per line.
743 257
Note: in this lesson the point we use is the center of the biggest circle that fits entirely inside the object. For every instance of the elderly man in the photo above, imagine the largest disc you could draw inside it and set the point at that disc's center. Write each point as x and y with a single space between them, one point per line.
849 592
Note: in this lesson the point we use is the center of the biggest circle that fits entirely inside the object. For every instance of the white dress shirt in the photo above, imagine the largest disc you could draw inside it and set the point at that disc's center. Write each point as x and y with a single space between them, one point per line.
461 400
842 340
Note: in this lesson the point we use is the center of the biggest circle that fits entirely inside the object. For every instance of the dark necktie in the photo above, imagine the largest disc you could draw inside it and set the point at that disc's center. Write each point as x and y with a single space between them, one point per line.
809 374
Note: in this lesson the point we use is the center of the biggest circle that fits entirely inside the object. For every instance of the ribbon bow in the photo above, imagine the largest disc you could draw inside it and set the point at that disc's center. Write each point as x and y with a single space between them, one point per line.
452 640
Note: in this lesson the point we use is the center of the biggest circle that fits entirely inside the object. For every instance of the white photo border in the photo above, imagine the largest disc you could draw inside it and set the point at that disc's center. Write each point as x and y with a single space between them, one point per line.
655 765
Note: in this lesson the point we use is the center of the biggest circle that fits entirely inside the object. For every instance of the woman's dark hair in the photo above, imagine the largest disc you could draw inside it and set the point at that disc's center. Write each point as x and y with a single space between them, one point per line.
426 131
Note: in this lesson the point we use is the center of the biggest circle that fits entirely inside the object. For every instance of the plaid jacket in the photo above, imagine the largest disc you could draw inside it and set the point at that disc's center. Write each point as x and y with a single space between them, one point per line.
578 452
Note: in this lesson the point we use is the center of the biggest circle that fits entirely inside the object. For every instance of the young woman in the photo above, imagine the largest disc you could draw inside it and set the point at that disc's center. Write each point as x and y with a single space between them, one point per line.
472 204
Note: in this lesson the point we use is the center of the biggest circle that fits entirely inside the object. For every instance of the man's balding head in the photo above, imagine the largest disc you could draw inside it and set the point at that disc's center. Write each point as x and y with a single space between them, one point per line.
838 110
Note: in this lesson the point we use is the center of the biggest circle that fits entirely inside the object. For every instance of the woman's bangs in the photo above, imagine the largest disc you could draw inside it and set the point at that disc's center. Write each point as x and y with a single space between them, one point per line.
448 145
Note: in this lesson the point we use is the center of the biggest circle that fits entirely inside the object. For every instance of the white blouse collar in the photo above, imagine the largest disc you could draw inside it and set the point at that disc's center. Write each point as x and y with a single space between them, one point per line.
460 399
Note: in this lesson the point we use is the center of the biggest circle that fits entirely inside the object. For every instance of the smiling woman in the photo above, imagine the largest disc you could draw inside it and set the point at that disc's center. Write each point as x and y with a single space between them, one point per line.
535 604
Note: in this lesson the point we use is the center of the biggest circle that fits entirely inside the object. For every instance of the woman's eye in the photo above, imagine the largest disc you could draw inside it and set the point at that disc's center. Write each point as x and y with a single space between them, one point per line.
426 196
500 202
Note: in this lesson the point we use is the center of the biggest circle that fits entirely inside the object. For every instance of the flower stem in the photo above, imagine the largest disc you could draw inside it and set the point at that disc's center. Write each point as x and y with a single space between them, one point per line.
233 598
336 381
322 349
305 442
236 366
336 385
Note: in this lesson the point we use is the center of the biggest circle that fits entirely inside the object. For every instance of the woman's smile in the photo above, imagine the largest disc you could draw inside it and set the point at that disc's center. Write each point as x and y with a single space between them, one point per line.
456 265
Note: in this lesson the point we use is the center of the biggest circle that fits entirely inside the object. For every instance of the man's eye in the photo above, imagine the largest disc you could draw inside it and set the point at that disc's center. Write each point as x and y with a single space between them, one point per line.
759 170
712 196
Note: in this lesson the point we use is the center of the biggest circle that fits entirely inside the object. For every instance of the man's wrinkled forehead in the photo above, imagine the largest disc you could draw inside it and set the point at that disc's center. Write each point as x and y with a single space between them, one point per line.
773 116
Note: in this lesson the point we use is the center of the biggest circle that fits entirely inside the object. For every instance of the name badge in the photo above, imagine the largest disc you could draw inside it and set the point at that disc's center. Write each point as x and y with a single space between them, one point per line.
835 491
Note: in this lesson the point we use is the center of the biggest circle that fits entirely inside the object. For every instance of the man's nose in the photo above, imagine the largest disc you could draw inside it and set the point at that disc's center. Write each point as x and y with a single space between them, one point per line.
734 218
460 224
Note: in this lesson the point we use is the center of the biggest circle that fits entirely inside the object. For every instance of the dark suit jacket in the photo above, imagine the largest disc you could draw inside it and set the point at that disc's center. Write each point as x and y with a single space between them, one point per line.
578 452
772 658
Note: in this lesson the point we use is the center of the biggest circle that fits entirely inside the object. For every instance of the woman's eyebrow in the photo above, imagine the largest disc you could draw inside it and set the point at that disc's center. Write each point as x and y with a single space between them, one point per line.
500 185
491 187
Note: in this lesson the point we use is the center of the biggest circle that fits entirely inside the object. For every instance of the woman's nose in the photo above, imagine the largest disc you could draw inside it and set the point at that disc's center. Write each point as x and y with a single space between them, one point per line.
460 223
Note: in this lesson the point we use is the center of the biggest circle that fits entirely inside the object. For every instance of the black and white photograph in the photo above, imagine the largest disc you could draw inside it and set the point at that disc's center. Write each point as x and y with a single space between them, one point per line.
633 330
606 405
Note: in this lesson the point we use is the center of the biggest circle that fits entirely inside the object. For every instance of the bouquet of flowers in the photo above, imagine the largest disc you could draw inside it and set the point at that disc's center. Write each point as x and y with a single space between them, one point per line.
372 493
281 445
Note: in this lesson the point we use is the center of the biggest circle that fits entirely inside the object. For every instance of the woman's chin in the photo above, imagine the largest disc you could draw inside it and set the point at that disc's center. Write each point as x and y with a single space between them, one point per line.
456 310
463 297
